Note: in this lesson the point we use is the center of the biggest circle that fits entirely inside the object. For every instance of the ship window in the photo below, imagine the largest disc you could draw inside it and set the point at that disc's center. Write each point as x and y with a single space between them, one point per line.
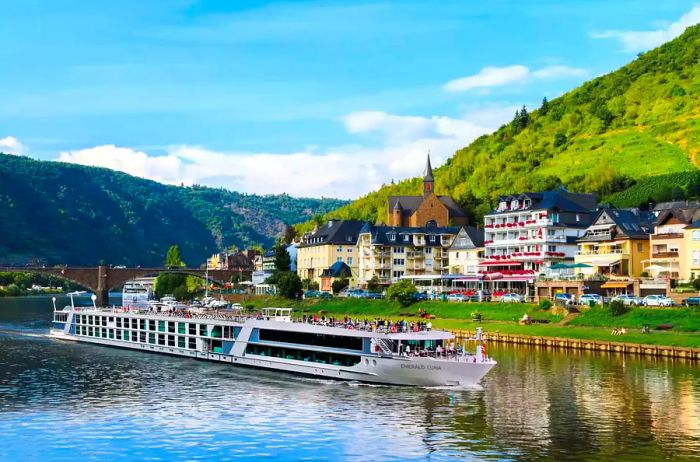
161 326
119 323
134 323
151 324
111 333
181 342
142 324
111 319
337 359
104 320
203 329
193 329
152 338
161 339
171 327
192 343
171 340
181 328
330 341
134 336
142 337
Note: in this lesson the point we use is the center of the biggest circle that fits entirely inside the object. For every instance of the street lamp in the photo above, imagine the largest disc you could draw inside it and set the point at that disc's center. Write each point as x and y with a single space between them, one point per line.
94 298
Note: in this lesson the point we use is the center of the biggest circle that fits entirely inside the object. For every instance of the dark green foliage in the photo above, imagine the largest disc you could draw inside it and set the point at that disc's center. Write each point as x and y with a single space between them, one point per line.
288 284
477 316
696 284
60 213
339 284
373 284
618 308
402 292
174 284
678 193
19 283
545 304
559 139
544 108
282 259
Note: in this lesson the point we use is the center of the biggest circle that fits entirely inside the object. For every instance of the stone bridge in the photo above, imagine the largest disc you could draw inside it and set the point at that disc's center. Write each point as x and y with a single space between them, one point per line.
102 279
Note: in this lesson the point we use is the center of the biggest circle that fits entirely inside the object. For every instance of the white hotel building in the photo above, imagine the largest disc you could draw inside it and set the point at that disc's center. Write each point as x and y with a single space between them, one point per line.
527 233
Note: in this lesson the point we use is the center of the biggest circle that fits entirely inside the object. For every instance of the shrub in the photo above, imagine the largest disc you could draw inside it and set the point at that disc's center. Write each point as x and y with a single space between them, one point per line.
618 308
288 284
339 284
696 284
644 274
476 316
545 304
402 292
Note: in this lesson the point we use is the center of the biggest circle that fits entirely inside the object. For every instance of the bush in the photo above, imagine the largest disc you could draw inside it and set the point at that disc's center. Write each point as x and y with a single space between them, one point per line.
476 316
618 308
339 284
545 304
402 292
288 284
644 274
696 284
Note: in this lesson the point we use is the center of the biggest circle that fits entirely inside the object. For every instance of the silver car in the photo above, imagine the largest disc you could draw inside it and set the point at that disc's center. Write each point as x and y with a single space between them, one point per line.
627 299
657 300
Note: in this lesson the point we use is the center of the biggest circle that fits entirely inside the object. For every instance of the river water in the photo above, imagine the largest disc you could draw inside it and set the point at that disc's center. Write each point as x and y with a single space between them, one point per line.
66 401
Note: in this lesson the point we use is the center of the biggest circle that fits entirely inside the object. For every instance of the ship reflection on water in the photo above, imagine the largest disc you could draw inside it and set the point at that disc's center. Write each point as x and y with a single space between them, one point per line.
73 401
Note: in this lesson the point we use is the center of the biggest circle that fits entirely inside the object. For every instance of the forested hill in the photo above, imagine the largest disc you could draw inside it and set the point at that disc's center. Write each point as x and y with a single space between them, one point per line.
62 213
629 135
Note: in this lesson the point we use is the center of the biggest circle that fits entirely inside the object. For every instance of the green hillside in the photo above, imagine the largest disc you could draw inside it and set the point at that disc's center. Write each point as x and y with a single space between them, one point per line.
65 213
629 135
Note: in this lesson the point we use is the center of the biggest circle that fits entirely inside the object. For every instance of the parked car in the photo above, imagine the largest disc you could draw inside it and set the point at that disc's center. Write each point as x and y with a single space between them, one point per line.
628 299
657 300
692 301
374 295
512 298
419 296
457 298
586 299
564 298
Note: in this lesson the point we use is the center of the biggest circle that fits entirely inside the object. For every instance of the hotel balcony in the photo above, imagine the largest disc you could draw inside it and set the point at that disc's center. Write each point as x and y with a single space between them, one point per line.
672 254
656 237
415 255
602 252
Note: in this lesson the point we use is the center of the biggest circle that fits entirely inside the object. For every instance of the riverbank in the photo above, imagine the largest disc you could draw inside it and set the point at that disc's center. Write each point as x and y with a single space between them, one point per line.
594 324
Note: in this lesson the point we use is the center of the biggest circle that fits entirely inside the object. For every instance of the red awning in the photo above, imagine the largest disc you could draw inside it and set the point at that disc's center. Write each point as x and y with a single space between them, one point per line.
517 279
500 263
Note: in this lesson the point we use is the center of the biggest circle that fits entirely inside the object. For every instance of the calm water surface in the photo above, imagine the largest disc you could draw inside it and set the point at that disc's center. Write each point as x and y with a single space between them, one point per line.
65 401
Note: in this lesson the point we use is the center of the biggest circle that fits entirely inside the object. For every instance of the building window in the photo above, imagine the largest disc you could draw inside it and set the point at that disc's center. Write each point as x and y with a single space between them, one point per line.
340 248
398 274
696 235
349 260
405 238
640 247
457 255
428 250
340 259
398 249
349 249
392 237
432 238
399 261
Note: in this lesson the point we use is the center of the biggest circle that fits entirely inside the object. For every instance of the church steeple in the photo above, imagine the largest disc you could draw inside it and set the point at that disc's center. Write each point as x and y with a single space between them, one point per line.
428 180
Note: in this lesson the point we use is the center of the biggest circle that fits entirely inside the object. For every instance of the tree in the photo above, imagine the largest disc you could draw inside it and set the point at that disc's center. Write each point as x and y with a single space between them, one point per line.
402 292
289 234
544 109
283 261
288 284
172 258
694 188
373 284
678 194
340 284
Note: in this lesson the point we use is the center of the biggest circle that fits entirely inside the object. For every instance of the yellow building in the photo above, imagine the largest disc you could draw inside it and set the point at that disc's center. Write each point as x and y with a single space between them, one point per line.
691 255
616 244
669 258
466 251
333 242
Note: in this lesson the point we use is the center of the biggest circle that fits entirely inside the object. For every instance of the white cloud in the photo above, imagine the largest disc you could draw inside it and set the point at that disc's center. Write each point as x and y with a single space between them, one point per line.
516 74
11 145
634 41
346 171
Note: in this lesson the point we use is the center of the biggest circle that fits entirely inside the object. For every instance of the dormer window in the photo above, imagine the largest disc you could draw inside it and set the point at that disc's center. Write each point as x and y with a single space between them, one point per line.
514 205
432 238
405 238
392 237
526 203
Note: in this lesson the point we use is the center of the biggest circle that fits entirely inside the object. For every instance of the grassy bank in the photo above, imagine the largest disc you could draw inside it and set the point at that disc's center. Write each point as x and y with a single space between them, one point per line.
591 324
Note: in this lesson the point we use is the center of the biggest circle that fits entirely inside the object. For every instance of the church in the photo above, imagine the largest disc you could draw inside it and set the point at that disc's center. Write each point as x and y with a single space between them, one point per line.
426 210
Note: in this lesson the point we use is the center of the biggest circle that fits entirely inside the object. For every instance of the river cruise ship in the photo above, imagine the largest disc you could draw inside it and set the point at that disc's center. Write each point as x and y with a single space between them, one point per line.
272 339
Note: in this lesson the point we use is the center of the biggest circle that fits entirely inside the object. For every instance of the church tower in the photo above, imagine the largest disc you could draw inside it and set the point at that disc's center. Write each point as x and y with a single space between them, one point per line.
428 180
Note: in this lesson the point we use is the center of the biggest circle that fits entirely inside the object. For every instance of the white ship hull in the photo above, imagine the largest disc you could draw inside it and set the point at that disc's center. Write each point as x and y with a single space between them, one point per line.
389 369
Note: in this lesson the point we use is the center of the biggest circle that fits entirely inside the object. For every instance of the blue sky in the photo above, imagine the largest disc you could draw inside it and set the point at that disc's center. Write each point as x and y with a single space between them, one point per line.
310 98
